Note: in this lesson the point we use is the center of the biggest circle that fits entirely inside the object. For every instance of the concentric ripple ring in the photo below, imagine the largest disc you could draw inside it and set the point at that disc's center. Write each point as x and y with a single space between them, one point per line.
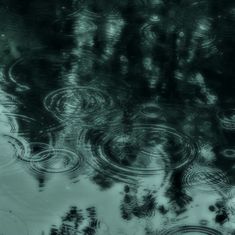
143 151
19 149
229 153
75 102
202 177
56 161
227 119
191 229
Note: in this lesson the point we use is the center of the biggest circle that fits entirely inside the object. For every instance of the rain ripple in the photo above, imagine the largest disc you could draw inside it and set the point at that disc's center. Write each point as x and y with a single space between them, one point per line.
229 153
77 102
144 150
11 76
227 119
54 161
201 177
191 229
24 70
35 149
8 101
13 148
15 123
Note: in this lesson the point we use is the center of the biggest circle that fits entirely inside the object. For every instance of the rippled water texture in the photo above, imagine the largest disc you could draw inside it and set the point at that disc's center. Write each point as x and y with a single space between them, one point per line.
117 117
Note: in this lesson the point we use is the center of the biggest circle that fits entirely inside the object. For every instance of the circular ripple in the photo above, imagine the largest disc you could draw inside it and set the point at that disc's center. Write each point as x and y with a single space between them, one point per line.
205 178
166 112
229 153
56 161
8 125
151 111
12 149
15 123
191 229
77 102
227 119
7 100
12 76
143 150
26 70
35 148
10 224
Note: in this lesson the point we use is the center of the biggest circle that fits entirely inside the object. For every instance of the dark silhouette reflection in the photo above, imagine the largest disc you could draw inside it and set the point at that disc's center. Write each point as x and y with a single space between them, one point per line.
72 222
102 181
176 193
132 206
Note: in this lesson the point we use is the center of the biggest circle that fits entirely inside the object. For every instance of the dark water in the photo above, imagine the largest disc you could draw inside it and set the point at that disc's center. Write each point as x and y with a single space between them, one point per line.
117 117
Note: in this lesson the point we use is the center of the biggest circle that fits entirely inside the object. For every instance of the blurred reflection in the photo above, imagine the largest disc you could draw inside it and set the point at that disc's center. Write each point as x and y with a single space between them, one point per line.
117 117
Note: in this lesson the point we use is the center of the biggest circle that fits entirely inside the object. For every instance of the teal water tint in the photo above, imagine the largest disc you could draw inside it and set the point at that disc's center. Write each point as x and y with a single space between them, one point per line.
117 117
